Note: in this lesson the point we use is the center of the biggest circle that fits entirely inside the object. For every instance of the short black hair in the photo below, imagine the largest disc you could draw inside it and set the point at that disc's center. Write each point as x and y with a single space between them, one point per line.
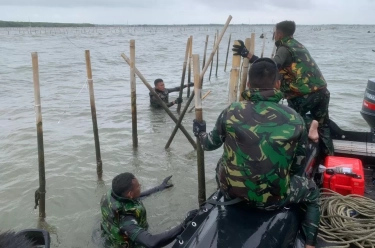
286 27
122 183
158 80
263 74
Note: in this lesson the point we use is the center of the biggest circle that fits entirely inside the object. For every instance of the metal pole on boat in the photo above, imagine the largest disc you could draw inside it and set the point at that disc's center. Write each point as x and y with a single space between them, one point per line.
164 106
199 117
234 76
226 59
245 66
217 55
40 194
133 94
201 78
183 73
209 77
99 165
190 60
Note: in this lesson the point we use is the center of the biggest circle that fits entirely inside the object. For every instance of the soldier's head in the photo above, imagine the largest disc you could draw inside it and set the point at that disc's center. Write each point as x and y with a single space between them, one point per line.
284 29
11 239
159 84
126 185
264 74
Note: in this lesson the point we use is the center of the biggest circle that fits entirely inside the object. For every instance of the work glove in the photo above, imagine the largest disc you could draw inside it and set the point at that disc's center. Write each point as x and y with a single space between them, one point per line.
198 127
190 84
165 184
240 49
178 100
189 217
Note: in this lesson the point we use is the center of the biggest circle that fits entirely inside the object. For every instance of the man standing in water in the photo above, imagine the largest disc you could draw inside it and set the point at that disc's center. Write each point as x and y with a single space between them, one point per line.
163 93
302 83
124 220
264 150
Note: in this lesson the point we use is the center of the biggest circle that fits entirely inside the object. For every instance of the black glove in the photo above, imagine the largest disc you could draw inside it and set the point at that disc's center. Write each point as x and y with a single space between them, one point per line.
240 50
198 127
189 217
178 100
165 184
190 84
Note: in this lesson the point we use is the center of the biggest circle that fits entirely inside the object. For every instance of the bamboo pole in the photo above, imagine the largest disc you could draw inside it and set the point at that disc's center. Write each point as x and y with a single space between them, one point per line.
40 194
203 97
99 168
205 51
217 55
192 142
264 44
245 65
234 76
183 73
201 78
199 118
226 59
133 94
209 77
190 60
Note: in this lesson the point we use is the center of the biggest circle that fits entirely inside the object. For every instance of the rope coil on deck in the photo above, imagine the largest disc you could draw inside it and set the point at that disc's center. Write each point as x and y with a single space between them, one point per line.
347 220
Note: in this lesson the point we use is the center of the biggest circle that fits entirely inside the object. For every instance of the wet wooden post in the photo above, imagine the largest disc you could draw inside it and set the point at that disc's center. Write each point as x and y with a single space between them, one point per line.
190 61
209 77
226 58
234 76
133 94
164 106
99 168
245 70
274 45
40 194
199 118
217 54
183 73
264 44
201 77
205 51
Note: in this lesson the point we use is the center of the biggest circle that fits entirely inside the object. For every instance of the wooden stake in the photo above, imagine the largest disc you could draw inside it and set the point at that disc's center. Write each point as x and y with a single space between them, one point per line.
133 94
245 70
40 194
190 61
203 97
199 118
226 58
234 75
201 77
160 102
99 168
209 77
183 73
264 44
217 55
205 50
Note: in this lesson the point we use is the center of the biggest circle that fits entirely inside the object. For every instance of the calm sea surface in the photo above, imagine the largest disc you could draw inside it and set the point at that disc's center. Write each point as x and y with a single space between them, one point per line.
343 53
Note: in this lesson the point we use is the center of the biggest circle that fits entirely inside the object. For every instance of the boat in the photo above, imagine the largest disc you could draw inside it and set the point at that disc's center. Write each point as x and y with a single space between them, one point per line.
237 225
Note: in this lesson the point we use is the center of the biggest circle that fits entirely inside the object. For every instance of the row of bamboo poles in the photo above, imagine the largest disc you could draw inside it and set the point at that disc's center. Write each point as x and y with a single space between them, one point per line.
237 84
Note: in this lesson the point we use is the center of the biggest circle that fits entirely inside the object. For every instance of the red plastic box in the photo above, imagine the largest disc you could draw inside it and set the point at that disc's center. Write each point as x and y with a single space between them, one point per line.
344 184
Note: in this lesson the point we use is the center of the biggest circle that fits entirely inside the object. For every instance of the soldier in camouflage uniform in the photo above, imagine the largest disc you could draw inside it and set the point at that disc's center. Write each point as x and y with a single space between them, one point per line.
303 84
163 93
124 220
264 149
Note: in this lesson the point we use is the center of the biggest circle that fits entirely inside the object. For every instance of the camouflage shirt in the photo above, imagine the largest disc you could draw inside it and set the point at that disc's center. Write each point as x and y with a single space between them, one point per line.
114 210
303 75
164 95
264 144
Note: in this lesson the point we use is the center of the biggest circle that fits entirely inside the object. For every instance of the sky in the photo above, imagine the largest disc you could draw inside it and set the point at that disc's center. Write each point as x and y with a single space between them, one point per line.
311 12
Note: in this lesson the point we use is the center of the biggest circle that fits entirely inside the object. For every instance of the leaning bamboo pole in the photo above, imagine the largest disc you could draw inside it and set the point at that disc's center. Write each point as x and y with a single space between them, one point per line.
133 94
263 46
205 51
234 76
183 73
40 194
217 54
245 70
226 58
99 166
190 61
209 77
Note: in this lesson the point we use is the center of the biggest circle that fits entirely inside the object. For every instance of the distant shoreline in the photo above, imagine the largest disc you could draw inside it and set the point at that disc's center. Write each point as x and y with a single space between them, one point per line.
6 24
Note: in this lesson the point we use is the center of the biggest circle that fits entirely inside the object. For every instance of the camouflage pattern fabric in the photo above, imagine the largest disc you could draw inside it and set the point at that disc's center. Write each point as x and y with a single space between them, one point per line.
114 209
163 96
303 76
264 144
317 103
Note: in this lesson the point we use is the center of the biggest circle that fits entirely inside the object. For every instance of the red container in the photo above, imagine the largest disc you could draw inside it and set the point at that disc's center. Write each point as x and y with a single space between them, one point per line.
341 183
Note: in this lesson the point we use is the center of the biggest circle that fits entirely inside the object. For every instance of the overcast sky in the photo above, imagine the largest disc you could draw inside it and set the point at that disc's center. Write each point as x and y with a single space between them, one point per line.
189 11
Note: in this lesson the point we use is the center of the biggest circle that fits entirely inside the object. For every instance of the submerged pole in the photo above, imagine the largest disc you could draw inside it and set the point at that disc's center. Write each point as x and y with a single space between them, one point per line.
234 75
264 44
209 77
99 165
226 58
217 54
40 194
245 70
133 94
183 73
205 51
190 60
199 118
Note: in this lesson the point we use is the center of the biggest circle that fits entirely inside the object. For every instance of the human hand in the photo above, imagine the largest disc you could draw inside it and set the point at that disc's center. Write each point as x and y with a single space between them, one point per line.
165 184
240 49
178 100
198 127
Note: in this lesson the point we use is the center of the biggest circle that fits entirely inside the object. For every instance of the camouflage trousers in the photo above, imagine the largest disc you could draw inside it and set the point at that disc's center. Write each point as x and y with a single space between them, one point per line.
317 104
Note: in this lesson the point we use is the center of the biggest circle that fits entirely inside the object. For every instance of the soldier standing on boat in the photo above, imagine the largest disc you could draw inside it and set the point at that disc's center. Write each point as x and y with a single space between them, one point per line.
124 221
264 149
163 93
302 82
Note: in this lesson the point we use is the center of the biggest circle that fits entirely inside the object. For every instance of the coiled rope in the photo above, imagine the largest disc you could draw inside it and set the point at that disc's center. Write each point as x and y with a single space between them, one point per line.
347 220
